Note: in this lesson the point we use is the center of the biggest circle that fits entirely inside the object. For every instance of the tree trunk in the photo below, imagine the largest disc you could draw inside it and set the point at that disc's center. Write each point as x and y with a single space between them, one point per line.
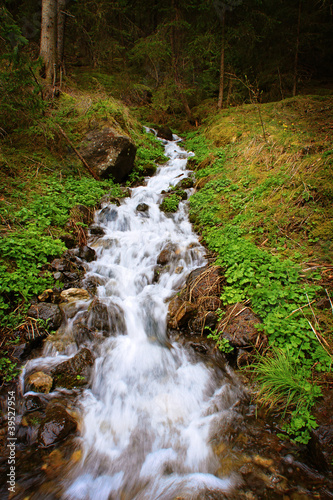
297 48
61 18
48 38
221 86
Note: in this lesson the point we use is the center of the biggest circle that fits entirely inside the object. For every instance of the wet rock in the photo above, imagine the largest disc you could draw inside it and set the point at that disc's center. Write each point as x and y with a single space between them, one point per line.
75 371
158 271
50 313
201 348
56 426
108 214
109 153
97 230
240 329
164 133
74 294
39 382
243 358
86 253
142 207
107 319
71 301
110 199
204 281
166 254
60 265
34 403
149 170
180 316
92 282
58 276
81 332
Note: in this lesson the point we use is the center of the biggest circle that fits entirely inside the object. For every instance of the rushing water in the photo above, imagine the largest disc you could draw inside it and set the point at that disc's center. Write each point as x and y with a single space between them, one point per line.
151 409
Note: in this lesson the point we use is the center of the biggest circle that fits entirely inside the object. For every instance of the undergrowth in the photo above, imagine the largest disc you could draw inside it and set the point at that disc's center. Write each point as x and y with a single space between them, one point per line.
260 207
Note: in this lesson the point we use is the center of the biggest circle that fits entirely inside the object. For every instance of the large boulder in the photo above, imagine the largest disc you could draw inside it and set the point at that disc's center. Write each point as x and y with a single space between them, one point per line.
109 153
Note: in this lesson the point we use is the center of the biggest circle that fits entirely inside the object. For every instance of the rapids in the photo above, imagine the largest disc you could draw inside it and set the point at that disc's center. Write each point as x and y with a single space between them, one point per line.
152 408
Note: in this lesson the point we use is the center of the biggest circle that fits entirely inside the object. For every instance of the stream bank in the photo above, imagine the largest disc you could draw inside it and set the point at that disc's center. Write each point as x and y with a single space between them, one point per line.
248 451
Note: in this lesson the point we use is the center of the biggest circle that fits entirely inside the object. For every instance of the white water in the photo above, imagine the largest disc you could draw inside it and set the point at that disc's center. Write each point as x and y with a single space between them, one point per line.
150 412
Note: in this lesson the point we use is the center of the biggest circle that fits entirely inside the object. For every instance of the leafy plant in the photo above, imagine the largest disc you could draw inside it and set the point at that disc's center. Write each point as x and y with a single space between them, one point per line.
170 203
8 369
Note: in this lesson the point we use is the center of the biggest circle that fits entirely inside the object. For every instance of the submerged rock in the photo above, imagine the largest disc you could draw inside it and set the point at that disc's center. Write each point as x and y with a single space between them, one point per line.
75 371
56 426
142 207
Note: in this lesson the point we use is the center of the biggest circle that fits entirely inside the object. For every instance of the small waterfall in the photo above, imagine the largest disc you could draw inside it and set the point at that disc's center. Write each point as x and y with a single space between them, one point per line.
152 409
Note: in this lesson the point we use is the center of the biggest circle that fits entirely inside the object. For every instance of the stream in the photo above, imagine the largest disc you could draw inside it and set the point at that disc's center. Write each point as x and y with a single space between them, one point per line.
151 409
156 421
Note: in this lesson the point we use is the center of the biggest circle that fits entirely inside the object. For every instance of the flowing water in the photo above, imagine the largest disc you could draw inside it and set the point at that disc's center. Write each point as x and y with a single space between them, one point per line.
152 408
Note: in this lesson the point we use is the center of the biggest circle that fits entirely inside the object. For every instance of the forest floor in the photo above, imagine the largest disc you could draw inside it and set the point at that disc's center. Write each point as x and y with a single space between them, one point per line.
263 204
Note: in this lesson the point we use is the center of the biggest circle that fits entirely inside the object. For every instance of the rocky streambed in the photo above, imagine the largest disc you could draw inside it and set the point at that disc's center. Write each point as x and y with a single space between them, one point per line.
126 397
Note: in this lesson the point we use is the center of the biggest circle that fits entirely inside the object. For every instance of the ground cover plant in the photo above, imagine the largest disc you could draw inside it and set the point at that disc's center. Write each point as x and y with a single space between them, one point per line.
263 204
42 180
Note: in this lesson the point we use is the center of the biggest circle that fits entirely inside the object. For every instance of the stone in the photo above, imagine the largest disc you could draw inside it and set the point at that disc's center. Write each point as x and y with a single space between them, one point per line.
86 253
107 319
80 330
108 214
50 313
241 329
204 281
142 207
69 240
75 371
149 169
39 382
164 133
97 230
166 254
74 294
71 301
81 213
34 403
46 296
60 265
56 426
109 153
178 317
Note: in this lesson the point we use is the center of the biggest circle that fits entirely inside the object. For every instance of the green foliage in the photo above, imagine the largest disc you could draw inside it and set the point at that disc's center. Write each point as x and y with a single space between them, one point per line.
222 343
284 386
150 151
275 292
170 203
8 369
24 251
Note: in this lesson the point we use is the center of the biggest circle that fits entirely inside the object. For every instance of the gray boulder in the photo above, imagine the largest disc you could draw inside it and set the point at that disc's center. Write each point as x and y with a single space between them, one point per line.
109 153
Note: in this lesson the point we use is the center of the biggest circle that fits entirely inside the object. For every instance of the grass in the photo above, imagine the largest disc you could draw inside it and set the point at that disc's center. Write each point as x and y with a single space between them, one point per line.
264 205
